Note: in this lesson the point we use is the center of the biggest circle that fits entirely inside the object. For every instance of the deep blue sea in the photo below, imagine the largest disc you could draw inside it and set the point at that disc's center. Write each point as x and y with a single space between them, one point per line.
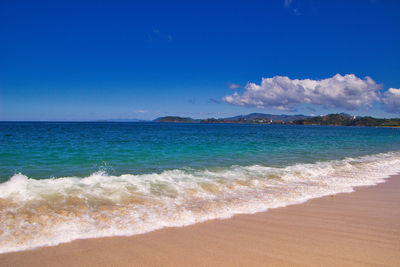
66 180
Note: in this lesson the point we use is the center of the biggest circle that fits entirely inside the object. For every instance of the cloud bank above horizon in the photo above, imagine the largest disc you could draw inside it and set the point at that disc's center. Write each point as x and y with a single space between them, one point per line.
343 92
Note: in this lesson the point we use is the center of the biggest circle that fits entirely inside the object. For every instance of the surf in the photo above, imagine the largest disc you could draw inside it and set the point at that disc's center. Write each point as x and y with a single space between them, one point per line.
51 211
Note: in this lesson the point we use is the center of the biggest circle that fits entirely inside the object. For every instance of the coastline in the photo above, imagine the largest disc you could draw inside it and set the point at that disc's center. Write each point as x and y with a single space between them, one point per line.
358 228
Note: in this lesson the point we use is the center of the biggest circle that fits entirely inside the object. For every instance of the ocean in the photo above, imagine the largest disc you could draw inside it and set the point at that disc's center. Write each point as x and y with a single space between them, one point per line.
61 181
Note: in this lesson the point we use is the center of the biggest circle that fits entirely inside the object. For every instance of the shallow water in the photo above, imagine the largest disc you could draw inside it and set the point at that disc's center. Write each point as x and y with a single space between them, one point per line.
63 181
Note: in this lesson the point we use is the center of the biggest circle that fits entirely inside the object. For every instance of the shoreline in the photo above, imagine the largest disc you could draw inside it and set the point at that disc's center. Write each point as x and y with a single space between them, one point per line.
358 228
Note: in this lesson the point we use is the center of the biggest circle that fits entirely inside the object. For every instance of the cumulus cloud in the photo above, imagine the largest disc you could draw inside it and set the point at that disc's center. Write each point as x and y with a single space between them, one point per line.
391 99
233 86
280 92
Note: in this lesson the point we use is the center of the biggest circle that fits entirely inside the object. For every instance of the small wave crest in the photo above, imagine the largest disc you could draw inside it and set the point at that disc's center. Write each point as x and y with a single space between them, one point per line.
51 211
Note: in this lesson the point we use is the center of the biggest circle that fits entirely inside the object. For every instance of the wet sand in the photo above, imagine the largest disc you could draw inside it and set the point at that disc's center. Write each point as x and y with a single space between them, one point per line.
350 229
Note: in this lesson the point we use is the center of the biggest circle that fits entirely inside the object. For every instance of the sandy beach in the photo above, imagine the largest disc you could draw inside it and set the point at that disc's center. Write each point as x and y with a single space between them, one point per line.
350 229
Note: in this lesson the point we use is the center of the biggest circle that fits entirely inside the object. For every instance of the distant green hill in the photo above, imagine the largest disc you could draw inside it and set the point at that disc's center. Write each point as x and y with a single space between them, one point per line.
341 119
346 120
174 119
250 118
258 116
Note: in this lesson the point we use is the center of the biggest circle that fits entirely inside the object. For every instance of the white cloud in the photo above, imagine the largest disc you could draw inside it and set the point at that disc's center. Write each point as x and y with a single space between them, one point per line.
140 111
391 99
233 86
280 92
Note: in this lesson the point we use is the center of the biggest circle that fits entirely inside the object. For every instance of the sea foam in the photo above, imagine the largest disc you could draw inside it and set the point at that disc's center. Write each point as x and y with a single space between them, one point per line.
52 211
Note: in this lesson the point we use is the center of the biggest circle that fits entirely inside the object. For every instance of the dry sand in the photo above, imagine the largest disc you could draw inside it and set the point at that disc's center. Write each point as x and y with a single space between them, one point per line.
360 228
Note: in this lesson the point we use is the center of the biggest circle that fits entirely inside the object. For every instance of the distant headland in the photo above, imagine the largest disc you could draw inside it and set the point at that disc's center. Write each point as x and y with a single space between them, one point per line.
340 119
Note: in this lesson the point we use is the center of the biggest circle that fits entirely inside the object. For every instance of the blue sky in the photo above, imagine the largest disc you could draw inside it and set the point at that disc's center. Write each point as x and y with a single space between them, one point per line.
84 60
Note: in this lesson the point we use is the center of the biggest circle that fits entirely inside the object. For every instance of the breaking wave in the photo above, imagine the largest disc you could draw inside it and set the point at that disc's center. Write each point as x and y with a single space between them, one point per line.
51 211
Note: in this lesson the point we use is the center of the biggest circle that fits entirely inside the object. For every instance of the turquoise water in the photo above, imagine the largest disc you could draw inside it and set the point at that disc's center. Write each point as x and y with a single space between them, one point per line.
45 150
66 181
